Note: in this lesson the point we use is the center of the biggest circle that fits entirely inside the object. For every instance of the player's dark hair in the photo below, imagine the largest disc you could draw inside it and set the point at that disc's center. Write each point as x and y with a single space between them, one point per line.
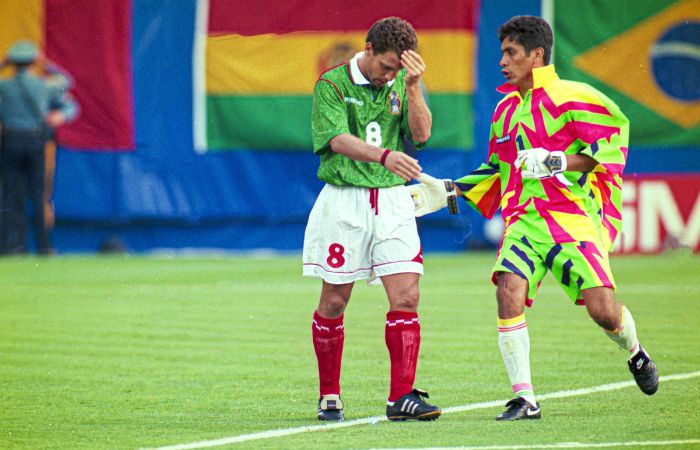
530 32
392 33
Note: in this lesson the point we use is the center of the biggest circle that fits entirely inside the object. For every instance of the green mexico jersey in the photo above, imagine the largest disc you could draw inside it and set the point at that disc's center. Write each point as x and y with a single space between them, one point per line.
378 116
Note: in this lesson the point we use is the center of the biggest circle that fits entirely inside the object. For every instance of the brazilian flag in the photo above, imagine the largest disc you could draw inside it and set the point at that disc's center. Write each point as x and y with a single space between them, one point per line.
645 55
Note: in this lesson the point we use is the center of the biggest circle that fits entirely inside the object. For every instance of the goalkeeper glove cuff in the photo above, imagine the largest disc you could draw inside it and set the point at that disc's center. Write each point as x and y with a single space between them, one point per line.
431 195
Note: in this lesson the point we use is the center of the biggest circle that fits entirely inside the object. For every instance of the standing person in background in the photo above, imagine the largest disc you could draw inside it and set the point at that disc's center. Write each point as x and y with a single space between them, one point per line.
556 155
31 108
362 225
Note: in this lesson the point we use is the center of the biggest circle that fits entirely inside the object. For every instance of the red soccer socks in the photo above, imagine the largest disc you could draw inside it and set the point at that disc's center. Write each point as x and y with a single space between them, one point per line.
328 336
402 334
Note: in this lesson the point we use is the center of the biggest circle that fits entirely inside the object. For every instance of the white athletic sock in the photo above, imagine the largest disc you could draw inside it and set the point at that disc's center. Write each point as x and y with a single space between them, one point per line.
514 343
626 335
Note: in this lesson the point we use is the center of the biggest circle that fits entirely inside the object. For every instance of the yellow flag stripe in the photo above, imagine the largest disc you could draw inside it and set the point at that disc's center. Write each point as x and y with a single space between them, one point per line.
273 64
21 19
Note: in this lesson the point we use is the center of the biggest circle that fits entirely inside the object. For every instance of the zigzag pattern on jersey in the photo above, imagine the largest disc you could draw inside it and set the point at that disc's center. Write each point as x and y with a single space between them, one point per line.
563 212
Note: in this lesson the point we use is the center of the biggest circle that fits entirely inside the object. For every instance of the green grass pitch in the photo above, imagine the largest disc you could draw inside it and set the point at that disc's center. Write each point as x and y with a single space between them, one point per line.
148 351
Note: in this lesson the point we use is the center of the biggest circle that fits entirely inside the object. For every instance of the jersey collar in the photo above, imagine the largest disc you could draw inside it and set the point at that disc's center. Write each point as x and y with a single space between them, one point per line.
541 77
356 74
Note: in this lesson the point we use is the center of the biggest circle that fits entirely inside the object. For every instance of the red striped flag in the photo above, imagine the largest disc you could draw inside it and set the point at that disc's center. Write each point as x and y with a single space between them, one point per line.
256 65
91 41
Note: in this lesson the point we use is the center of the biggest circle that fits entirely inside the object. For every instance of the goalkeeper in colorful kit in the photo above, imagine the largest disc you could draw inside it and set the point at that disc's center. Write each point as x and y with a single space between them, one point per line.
557 150
362 225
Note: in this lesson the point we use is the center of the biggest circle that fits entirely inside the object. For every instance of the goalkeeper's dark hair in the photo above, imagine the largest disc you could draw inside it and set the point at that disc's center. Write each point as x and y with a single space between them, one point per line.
529 31
392 33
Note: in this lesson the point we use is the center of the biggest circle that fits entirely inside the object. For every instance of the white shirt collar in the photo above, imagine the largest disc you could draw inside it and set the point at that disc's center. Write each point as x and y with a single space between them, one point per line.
356 73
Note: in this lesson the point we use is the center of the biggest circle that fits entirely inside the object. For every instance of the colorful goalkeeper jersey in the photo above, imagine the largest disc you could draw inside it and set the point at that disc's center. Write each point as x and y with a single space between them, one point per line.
556 115
344 101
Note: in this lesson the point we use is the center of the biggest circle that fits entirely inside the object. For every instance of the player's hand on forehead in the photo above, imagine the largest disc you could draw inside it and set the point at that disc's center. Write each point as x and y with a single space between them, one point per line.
412 57
413 63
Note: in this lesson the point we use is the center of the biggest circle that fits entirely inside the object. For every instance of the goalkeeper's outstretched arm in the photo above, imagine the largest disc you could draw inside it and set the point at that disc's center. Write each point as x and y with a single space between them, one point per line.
431 195
481 189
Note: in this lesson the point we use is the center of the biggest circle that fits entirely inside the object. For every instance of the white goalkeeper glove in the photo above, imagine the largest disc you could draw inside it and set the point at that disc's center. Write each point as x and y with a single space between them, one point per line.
540 163
431 195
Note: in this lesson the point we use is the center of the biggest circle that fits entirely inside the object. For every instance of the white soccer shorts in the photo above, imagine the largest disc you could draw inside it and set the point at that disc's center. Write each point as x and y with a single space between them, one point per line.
356 233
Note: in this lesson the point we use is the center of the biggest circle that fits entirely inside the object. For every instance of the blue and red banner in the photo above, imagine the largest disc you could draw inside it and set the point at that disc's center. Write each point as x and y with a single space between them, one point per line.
91 40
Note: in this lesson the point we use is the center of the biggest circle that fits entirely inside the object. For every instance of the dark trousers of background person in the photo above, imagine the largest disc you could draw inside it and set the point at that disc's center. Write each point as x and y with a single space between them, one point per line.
22 170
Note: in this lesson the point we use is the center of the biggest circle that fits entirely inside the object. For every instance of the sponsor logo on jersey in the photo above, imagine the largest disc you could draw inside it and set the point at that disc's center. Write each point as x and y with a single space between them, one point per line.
394 103
503 139
354 101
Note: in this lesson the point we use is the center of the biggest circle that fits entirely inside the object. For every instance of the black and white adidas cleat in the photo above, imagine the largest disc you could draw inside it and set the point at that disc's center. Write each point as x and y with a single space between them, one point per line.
412 407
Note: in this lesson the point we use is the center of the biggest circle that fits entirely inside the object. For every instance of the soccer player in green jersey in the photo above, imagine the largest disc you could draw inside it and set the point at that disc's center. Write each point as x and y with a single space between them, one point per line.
557 150
362 225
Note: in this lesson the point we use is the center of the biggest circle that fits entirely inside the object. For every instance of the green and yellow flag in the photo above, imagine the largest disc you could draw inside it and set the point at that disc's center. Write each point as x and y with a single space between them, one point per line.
645 55
256 64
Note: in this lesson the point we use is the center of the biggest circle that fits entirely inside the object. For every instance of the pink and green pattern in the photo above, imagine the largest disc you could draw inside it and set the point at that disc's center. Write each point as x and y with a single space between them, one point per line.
556 115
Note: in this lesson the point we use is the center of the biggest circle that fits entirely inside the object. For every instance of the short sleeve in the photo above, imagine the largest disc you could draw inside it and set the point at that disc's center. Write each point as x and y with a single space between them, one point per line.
329 116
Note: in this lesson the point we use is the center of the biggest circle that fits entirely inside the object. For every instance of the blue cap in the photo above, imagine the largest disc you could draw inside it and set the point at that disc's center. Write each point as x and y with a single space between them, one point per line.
23 52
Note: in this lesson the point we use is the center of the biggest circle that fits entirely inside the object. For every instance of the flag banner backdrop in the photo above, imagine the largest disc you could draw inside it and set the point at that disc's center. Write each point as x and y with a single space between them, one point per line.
152 75
91 41
643 55
257 66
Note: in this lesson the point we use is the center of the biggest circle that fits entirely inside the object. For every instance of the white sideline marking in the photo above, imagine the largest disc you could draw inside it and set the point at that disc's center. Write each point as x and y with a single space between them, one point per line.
349 423
564 445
